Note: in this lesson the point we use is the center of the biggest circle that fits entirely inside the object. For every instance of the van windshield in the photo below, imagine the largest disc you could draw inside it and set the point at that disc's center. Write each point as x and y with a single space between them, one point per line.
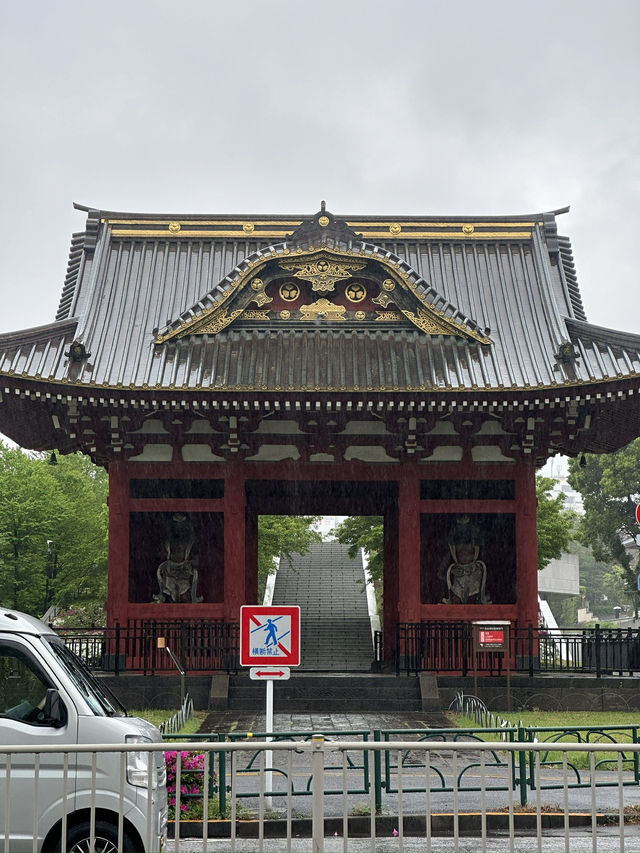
98 699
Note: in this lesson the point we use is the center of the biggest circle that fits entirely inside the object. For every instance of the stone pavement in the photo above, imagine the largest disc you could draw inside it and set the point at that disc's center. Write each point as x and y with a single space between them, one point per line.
254 722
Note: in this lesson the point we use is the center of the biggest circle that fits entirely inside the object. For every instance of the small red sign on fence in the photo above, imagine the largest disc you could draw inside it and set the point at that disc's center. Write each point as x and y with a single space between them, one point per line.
491 637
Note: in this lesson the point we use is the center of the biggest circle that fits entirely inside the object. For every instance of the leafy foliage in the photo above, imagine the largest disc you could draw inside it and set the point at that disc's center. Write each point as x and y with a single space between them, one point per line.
555 524
367 532
610 488
53 531
282 535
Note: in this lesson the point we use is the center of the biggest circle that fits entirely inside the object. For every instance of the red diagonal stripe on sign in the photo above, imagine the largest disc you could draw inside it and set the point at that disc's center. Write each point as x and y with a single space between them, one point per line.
256 620
286 651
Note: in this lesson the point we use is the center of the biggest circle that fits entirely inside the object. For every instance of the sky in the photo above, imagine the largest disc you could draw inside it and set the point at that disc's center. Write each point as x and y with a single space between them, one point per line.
414 107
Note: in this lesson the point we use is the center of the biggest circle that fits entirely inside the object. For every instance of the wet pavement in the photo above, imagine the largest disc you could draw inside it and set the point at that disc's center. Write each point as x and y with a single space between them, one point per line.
254 722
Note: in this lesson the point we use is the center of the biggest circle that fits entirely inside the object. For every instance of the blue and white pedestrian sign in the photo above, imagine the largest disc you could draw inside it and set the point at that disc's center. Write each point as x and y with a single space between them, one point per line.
269 635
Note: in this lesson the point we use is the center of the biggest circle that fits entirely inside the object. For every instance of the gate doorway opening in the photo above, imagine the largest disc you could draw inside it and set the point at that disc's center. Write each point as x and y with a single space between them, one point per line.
329 586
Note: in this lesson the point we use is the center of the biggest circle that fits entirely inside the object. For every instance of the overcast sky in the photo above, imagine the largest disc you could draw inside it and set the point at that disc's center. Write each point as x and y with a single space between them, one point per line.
465 108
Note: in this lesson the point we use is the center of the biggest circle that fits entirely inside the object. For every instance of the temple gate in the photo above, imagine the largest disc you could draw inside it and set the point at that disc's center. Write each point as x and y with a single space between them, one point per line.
411 368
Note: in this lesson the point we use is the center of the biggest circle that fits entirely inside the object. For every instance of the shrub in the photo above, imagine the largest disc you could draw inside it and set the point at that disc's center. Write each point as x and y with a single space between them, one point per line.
192 782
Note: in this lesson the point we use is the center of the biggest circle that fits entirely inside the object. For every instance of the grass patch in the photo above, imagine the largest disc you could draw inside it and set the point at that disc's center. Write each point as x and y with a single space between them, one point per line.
570 727
157 716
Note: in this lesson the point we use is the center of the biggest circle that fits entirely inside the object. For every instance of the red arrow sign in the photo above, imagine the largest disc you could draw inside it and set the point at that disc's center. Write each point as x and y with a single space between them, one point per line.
257 673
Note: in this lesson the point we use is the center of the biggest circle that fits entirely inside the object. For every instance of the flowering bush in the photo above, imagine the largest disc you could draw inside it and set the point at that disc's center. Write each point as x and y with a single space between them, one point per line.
192 782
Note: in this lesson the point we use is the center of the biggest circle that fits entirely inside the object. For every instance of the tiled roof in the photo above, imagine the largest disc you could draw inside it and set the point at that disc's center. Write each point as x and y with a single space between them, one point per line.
131 277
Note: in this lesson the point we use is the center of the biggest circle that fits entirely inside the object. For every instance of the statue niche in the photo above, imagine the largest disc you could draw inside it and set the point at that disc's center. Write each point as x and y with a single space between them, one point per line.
466 576
178 573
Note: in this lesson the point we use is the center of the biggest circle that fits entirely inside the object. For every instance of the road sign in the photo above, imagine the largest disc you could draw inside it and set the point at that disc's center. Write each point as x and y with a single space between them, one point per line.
638 513
269 636
268 673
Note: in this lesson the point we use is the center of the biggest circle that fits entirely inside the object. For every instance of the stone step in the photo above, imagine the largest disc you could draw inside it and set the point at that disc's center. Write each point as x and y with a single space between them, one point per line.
328 693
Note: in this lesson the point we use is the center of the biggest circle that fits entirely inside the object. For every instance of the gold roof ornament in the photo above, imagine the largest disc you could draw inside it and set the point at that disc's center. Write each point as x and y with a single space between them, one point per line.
322 309
322 271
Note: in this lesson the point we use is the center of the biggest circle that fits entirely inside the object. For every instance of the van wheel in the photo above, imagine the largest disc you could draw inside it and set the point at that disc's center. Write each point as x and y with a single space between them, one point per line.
106 839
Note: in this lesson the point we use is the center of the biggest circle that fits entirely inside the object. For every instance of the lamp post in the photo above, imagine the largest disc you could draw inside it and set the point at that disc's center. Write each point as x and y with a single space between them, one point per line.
52 571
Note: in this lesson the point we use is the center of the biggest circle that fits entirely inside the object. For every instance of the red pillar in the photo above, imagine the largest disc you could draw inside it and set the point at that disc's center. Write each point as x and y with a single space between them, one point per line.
234 543
527 546
251 557
118 573
390 582
409 546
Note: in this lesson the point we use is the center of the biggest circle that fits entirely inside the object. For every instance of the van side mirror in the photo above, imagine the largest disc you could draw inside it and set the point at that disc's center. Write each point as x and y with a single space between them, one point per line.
54 711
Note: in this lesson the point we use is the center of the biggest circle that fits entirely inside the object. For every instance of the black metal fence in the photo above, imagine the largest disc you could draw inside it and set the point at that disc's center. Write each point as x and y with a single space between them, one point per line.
437 647
447 647
200 646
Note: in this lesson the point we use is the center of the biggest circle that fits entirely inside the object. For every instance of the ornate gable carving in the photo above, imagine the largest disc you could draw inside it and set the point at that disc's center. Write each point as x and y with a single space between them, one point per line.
360 284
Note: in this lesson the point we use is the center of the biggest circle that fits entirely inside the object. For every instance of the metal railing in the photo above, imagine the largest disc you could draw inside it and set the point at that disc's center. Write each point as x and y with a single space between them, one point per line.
440 647
201 646
426 796
437 647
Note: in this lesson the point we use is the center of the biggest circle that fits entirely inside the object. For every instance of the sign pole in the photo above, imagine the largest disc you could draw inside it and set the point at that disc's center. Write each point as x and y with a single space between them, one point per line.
268 754
269 644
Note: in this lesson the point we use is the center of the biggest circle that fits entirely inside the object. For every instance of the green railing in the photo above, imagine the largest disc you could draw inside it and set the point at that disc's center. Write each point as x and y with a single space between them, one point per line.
521 770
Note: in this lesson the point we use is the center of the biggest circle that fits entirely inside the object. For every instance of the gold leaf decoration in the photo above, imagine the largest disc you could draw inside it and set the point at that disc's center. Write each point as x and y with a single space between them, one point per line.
429 324
382 299
322 272
289 291
322 309
386 316
218 322
261 299
355 292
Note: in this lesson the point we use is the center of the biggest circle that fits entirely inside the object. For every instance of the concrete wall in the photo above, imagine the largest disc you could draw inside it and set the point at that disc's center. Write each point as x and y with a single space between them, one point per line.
158 691
560 577
571 693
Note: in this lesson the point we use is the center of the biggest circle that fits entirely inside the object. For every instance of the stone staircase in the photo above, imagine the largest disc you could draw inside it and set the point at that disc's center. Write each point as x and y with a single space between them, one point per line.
336 643
329 587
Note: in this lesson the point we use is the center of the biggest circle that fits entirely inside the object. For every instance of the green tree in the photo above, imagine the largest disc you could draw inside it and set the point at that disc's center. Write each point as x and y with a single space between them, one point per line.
555 524
282 535
366 532
53 531
610 489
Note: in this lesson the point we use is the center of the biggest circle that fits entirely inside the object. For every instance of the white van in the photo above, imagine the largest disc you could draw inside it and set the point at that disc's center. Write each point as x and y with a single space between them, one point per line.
48 697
